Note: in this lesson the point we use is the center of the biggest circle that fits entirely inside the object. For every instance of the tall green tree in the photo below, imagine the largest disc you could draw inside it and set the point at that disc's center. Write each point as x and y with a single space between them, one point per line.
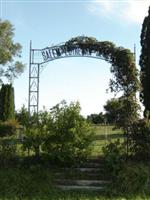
9 50
121 112
96 118
112 109
145 63
7 107
22 116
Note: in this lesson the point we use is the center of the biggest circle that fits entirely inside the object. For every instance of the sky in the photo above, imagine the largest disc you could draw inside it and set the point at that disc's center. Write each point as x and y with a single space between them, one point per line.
50 22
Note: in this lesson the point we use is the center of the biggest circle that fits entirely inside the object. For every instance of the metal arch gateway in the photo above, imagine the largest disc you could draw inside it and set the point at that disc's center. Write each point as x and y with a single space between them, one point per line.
41 56
76 47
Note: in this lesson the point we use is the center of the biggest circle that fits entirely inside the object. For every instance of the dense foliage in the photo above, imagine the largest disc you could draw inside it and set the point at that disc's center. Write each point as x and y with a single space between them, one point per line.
63 134
97 118
122 112
8 128
133 178
7 105
145 64
8 50
26 183
114 155
112 108
69 135
140 139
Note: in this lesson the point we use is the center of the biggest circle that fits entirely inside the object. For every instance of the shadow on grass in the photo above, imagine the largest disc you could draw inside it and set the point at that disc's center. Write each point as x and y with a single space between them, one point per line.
112 136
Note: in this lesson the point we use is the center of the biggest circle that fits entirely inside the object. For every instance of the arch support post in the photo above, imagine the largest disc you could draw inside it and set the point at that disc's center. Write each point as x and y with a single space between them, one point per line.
34 73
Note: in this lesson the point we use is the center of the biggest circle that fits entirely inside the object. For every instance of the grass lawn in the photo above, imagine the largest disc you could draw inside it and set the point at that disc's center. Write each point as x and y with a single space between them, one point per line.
104 135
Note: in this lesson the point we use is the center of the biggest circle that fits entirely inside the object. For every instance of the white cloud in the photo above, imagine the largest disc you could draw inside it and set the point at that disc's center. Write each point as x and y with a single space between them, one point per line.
137 10
100 8
129 10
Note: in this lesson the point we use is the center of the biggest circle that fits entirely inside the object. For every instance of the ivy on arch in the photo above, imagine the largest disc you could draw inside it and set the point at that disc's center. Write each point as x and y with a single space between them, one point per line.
123 69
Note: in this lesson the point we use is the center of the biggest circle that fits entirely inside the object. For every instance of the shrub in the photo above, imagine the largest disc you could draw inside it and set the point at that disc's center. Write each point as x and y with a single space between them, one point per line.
7 105
140 139
8 128
134 178
68 134
33 140
20 183
114 155
8 149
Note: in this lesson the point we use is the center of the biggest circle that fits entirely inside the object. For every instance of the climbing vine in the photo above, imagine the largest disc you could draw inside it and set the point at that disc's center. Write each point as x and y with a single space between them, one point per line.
122 62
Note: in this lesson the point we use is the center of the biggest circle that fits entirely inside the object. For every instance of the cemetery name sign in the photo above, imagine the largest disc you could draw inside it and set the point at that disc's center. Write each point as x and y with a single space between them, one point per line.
51 53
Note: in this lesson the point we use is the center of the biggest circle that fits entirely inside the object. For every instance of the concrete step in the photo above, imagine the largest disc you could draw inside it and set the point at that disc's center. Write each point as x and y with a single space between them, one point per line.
81 182
92 165
81 175
82 169
88 169
95 160
76 187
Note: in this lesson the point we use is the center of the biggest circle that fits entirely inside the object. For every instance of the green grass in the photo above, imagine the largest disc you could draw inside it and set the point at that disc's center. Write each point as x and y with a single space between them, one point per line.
102 129
104 135
74 196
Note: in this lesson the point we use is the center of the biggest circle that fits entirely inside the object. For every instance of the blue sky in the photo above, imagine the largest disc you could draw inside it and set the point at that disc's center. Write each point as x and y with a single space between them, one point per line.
52 22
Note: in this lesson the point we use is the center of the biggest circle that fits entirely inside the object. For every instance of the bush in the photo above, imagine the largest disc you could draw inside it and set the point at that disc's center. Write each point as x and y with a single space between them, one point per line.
8 149
68 134
140 139
8 128
134 178
114 155
20 183
8 145
33 140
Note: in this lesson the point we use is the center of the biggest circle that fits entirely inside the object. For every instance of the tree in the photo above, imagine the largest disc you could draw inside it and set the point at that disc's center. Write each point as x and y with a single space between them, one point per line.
122 112
8 51
96 118
7 107
22 116
145 63
112 108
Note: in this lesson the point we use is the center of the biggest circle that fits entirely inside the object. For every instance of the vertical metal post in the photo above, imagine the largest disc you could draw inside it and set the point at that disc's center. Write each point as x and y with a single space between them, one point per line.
34 73
29 77
38 80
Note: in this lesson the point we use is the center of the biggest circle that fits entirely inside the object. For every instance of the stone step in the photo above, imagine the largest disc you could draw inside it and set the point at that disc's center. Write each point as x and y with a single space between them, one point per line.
92 165
88 169
81 175
81 182
95 160
76 187
82 169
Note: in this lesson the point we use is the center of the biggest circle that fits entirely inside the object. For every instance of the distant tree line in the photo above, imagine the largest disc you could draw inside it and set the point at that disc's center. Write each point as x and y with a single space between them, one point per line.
113 109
